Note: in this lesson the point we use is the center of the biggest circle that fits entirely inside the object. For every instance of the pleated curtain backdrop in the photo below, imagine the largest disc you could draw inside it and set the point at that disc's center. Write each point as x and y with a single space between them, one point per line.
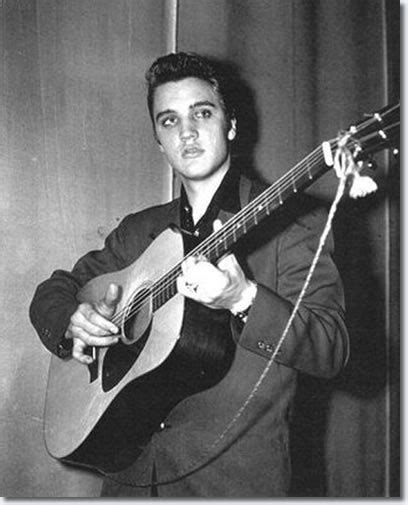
77 154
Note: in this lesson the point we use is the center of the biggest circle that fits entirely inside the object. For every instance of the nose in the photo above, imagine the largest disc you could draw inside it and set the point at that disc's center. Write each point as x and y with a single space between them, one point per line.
188 130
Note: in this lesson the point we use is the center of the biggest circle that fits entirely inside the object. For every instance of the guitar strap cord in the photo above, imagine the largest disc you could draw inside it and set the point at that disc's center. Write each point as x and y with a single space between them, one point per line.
347 171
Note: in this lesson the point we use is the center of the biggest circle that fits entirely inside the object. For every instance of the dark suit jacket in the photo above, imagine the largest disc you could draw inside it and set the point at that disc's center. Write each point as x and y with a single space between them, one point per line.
231 440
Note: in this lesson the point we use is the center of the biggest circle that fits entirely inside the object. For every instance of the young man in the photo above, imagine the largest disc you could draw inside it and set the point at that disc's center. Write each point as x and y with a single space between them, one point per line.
236 310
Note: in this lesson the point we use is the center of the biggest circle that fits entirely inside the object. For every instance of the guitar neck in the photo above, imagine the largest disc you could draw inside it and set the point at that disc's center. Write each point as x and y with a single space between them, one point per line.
218 243
297 179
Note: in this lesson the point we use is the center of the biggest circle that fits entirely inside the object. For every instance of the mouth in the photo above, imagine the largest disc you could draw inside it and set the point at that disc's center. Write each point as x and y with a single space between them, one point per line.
192 152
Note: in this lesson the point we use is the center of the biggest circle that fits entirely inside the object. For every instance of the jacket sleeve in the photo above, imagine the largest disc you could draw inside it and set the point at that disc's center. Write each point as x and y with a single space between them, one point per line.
55 299
317 340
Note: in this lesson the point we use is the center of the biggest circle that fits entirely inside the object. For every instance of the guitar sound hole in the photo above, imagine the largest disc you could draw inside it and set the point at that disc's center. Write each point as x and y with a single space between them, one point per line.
138 316
119 359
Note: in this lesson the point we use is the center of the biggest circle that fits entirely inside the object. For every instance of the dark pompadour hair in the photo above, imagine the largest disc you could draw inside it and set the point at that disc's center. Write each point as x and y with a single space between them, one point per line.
176 66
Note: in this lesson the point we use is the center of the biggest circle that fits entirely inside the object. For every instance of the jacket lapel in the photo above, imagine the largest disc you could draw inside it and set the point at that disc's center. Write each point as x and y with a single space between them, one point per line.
171 217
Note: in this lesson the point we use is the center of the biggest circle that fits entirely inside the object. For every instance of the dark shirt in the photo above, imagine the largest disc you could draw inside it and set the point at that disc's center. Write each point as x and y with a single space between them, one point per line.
206 344
226 198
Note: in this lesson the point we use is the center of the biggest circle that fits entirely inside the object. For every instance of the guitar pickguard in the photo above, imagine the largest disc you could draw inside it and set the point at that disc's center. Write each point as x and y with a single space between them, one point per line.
119 359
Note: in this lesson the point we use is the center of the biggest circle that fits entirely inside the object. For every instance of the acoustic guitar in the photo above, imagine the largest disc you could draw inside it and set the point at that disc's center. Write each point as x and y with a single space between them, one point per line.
91 416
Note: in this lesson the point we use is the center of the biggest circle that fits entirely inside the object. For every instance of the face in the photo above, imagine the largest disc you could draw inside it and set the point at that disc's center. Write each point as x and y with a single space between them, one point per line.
192 129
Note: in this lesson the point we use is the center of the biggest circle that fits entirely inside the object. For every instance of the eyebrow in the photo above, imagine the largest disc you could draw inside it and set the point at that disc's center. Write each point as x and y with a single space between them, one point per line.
201 103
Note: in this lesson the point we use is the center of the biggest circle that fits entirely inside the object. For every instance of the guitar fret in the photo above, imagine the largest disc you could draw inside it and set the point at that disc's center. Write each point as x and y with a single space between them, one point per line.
294 185
166 293
218 247
280 197
156 302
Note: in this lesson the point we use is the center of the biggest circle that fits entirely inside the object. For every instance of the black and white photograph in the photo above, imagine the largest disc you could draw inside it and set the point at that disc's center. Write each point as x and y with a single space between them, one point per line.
200 249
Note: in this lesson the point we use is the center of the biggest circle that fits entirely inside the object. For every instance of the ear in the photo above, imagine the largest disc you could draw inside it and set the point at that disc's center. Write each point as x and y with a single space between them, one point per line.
232 132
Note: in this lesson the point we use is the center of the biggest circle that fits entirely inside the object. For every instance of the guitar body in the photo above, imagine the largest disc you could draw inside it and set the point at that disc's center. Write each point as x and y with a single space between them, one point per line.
78 396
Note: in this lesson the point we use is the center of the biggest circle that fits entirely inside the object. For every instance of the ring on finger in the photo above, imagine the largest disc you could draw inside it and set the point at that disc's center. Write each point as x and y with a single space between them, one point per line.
192 287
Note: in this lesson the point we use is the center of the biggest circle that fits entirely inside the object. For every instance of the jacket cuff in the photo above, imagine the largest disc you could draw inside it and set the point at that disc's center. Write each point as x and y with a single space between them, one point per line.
265 323
52 332
64 348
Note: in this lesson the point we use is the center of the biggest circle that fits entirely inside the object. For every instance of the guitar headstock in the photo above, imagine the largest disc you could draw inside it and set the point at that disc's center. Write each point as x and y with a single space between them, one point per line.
377 131
356 146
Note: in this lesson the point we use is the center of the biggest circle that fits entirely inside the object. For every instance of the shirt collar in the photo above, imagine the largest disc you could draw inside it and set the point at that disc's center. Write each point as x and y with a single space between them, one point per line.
226 197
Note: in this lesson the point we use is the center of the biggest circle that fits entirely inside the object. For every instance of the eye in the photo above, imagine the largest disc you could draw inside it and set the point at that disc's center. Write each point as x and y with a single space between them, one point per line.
168 121
203 113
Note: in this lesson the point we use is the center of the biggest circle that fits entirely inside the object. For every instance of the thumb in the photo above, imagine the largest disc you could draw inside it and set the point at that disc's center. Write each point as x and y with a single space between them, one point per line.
107 305
228 262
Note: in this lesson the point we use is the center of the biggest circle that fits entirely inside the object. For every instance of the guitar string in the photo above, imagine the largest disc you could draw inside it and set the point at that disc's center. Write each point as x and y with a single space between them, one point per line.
229 230
166 282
